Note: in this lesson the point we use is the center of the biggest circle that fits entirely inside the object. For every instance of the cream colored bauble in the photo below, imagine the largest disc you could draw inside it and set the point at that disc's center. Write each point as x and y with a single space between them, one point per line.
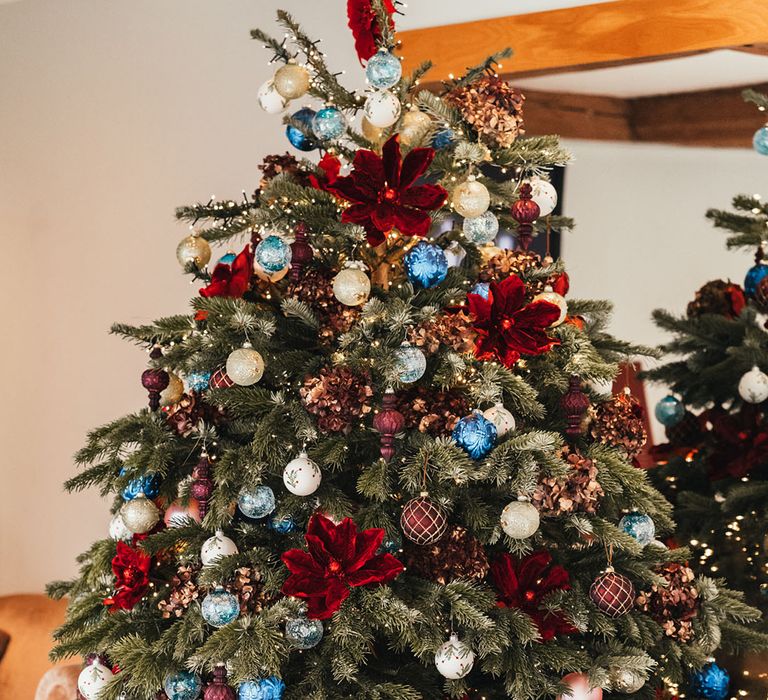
471 198
501 418
520 519
454 254
753 386
414 127
117 529
273 277
93 679
302 476
193 250
139 514
245 366
558 300
291 81
173 392
382 109
216 547
351 285
373 133
270 100
544 194
454 659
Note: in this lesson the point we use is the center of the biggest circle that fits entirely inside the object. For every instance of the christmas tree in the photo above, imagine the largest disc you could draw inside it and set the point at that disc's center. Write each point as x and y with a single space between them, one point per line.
385 472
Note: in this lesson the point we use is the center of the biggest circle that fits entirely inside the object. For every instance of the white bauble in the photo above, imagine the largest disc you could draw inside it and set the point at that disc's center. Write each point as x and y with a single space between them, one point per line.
414 126
139 514
245 366
302 476
454 254
93 679
554 298
471 198
382 109
173 392
351 286
117 529
270 100
291 81
454 659
193 249
544 194
216 547
753 386
520 519
501 418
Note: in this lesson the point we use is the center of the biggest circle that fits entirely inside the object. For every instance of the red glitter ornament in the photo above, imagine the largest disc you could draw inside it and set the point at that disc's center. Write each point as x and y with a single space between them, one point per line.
612 593
218 689
389 422
525 211
574 404
301 252
422 520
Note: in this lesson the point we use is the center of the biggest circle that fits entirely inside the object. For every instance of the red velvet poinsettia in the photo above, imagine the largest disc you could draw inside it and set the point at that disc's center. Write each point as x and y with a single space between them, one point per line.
739 441
507 327
231 280
338 558
365 28
382 191
523 583
131 569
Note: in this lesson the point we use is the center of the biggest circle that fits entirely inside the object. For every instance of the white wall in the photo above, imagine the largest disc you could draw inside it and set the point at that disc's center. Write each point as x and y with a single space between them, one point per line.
113 113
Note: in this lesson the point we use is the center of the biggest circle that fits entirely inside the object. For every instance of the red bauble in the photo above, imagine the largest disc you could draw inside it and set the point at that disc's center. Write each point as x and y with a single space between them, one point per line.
423 521
579 688
220 379
218 689
612 593
389 422
525 211
301 252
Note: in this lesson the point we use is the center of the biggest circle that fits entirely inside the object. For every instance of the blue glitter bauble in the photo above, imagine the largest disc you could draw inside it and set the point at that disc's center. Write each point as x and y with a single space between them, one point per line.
384 70
443 138
710 682
282 525
220 607
481 288
257 502
426 265
149 485
296 136
329 123
669 411
760 141
753 277
273 254
639 526
271 688
390 545
481 229
183 685
227 259
304 633
198 381
411 363
475 434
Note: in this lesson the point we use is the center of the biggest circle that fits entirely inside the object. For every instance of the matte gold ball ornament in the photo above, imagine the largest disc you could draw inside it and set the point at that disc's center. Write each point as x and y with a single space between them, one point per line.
471 198
291 81
140 514
351 286
193 249
414 126
245 366
373 133
173 392
558 300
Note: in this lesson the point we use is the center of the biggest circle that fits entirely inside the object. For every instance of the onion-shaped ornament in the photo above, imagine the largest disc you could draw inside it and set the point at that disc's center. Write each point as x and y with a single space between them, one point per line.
383 70
382 109
139 514
351 286
501 418
216 547
245 366
410 363
753 386
302 476
454 659
93 679
183 685
193 250
257 502
543 192
220 607
520 519
639 526
471 198
270 100
273 254
303 633
291 81
551 296
422 520
426 265
481 229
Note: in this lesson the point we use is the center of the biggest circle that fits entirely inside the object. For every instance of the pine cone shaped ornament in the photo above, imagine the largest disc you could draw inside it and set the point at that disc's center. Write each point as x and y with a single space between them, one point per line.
249 589
619 422
457 554
183 591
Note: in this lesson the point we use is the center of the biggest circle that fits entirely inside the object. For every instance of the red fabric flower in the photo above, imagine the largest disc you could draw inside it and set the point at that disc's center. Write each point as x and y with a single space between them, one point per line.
339 558
131 568
365 28
382 191
523 583
739 442
231 280
507 327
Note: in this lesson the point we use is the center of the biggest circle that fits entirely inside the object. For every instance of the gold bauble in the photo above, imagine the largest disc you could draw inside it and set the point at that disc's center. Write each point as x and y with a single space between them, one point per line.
414 127
471 198
245 366
373 133
351 286
193 249
291 81
173 392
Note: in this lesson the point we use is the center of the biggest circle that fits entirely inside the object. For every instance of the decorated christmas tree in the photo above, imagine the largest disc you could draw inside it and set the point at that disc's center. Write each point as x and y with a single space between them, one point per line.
373 464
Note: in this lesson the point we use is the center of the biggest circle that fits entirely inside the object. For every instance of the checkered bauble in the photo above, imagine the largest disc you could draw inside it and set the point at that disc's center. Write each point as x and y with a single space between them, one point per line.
220 379
612 593
423 521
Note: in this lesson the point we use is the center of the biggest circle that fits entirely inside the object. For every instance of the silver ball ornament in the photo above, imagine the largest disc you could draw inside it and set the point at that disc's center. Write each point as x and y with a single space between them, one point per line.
139 514
351 286
624 680
481 229
410 363
471 198
245 366
291 81
193 250
454 659
520 519
382 109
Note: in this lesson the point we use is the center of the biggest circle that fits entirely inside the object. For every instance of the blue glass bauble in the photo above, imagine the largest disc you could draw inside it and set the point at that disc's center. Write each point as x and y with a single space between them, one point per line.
198 381
390 545
411 363
271 688
753 277
257 502
426 264
227 259
481 288
669 411
481 229
149 485
475 434
760 141
329 123
639 526
304 633
296 136
710 682
183 685
443 138
273 254
282 525
384 70
220 607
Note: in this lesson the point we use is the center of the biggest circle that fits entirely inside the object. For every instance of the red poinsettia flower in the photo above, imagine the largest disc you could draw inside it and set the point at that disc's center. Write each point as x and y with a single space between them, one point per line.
382 191
339 558
507 327
131 569
739 442
231 280
364 26
523 583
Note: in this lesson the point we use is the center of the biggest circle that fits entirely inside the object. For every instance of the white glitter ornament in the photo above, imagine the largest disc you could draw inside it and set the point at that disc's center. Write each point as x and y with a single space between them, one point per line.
245 366
625 680
351 285
173 392
291 81
454 659
382 109
520 519
414 126
544 194
302 476
270 100
93 679
471 198
139 514
501 418
216 547
558 300
193 249
753 386
117 529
